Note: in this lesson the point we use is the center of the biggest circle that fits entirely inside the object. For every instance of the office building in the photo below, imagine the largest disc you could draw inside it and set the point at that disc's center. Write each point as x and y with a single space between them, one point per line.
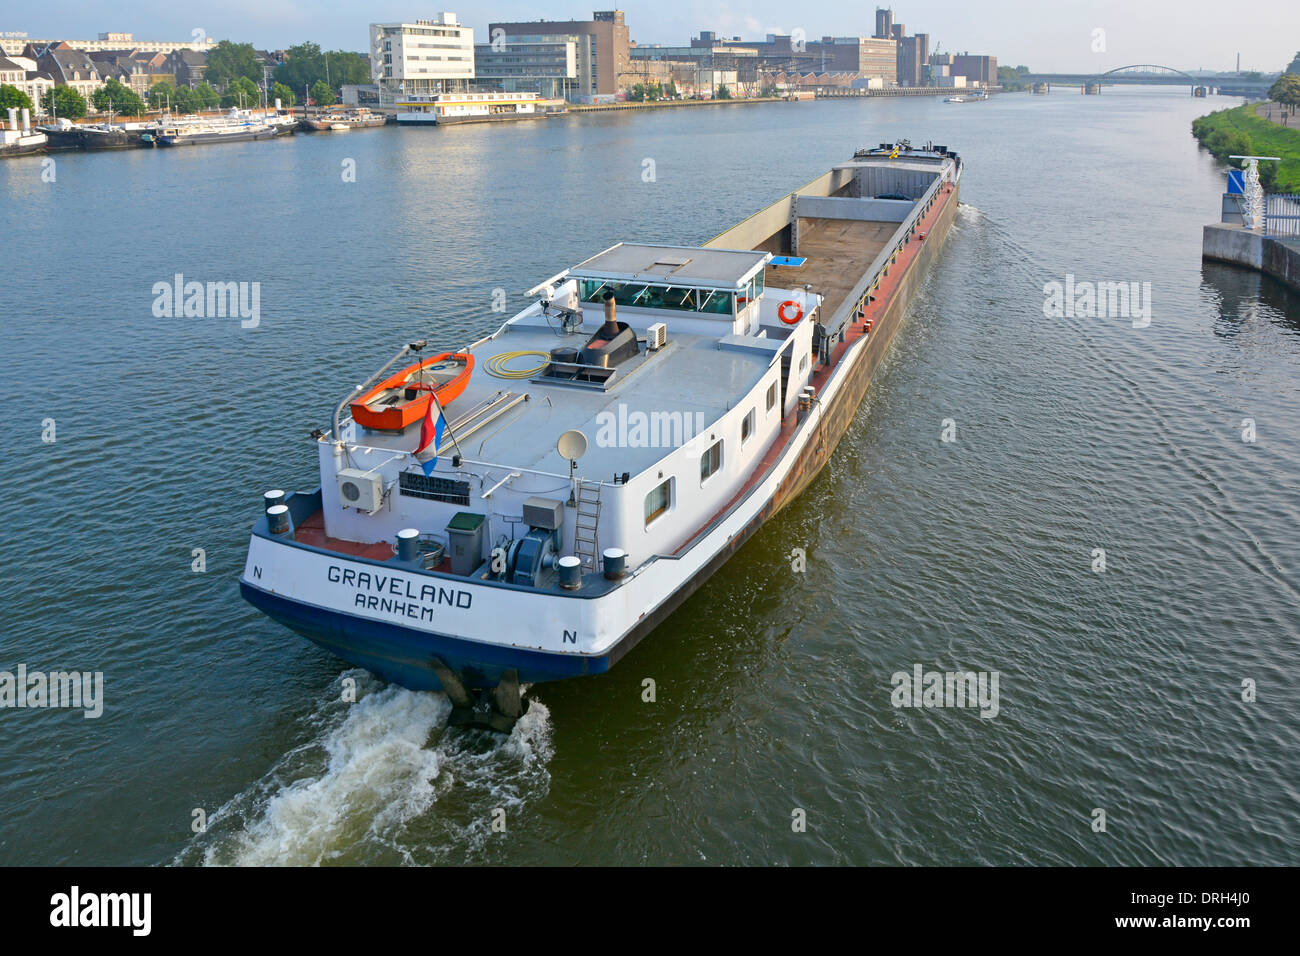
602 46
421 59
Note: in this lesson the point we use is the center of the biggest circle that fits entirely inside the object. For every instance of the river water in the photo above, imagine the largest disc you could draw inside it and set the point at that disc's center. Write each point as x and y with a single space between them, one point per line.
1119 691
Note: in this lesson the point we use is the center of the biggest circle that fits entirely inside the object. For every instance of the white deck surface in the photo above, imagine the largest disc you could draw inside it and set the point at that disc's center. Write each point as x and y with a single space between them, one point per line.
693 374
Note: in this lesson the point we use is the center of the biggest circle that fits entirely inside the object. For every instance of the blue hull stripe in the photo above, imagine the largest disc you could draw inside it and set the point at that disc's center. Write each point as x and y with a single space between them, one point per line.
402 654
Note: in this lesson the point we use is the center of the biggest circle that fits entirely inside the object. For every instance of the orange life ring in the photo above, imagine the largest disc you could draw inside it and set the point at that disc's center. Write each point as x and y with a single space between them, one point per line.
798 312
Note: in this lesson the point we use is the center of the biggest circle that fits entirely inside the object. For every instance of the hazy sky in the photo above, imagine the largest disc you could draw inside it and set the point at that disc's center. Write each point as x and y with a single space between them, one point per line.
1044 34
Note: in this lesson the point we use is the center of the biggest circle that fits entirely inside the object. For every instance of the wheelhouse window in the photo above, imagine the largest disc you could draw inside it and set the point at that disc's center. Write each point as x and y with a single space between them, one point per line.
747 426
658 502
650 296
717 302
771 396
710 462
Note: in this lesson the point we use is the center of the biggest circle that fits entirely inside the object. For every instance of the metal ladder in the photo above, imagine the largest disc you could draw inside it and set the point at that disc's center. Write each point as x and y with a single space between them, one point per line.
586 542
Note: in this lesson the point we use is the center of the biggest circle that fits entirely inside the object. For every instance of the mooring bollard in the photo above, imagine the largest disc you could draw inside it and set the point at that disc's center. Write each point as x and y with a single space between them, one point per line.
408 544
278 520
570 572
615 563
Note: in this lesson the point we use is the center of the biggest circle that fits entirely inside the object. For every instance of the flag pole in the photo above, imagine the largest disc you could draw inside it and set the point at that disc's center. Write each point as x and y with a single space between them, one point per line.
433 394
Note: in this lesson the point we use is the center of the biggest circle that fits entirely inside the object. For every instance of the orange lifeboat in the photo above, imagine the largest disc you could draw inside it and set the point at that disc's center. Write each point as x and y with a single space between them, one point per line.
403 399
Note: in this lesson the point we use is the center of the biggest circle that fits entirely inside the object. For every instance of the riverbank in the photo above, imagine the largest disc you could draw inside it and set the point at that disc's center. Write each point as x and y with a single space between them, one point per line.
671 104
1242 131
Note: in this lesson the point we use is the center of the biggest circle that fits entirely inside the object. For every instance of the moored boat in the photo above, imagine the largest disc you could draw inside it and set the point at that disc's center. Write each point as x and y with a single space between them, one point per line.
237 126
339 120
615 443
64 135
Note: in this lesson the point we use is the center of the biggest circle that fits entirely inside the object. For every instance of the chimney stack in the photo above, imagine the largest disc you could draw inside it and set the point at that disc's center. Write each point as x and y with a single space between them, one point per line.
610 328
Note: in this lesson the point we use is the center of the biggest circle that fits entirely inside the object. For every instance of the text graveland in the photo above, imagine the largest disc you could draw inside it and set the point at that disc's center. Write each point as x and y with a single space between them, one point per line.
376 592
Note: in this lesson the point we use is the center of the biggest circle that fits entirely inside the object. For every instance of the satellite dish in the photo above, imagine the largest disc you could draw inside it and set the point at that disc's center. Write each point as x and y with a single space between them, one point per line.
572 445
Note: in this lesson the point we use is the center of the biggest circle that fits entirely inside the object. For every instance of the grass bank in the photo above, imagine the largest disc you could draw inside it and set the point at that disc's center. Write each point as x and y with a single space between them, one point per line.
1241 131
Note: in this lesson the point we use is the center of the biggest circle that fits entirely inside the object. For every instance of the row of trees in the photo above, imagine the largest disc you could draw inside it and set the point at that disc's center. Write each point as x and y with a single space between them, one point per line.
67 102
650 92
124 101
1013 80
306 67
234 70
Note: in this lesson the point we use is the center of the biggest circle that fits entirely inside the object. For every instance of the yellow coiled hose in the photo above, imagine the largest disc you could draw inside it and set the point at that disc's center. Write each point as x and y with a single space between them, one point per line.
496 365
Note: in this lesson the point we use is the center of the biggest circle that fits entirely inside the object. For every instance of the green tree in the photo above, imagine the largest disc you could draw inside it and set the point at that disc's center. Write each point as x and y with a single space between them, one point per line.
241 92
1286 91
161 95
303 66
12 97
118 98
1295 65
207 97
282 93
1012 80
64 101
724 92
322 94
307 64
345 66
186 100
228 61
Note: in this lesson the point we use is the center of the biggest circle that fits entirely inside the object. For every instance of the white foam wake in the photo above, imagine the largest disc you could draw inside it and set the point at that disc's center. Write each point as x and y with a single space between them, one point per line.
382 780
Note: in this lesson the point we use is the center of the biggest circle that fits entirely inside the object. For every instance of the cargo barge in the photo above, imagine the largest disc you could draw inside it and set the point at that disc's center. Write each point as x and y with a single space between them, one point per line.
610 447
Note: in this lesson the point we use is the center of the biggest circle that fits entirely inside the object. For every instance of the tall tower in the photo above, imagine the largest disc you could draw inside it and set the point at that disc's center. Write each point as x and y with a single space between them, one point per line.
884 23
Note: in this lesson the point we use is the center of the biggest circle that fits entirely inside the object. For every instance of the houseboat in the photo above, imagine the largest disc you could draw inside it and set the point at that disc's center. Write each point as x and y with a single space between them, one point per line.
443 109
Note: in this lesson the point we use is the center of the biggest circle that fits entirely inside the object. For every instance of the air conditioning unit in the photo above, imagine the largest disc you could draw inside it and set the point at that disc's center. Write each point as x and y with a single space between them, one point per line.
363 490
656 337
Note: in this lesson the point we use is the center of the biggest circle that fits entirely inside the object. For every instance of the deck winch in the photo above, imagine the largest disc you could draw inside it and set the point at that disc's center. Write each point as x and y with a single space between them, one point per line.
533 559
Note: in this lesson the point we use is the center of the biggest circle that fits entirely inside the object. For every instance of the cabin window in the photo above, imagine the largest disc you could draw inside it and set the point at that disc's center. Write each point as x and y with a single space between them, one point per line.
771 396
803 363
747 426
658 502
710 462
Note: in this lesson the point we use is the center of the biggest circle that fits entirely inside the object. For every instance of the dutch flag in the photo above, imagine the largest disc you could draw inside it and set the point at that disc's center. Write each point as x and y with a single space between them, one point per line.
432 429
